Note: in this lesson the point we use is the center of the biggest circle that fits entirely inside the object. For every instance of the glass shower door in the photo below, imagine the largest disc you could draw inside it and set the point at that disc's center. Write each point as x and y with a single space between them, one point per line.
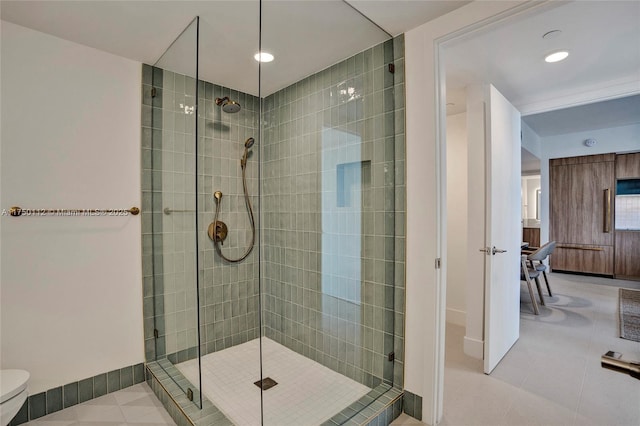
328 209
173 96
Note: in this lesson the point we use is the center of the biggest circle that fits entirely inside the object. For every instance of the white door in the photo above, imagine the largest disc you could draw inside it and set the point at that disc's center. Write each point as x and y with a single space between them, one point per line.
502 228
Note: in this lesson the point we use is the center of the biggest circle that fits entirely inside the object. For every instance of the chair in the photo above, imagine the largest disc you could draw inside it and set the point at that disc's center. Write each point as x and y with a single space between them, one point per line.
526 274
539 255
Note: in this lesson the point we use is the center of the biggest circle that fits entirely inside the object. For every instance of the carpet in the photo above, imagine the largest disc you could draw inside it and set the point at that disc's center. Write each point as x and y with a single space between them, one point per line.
629 314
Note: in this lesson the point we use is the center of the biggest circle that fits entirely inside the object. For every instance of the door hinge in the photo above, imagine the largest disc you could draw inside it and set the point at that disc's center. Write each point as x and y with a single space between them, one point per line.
438 263
190 394
155 333
392 356
392 68
154 92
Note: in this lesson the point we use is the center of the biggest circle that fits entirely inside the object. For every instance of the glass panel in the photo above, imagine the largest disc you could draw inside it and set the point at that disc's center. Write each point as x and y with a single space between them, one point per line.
174 221
273 232
328 213
627 212
627 205
228 223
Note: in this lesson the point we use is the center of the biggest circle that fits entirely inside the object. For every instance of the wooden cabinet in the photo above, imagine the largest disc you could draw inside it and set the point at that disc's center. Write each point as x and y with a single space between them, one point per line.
628 166
627 265
531 236
627 253
581 213
583 258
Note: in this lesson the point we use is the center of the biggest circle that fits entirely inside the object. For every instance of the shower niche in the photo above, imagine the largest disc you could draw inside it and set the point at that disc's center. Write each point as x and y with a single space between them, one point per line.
273 236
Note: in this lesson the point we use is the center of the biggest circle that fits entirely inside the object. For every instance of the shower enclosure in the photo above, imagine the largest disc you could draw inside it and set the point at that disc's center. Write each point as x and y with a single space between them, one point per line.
273 216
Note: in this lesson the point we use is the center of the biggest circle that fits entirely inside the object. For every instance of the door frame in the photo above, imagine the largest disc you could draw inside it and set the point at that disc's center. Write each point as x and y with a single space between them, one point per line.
425 129
434 408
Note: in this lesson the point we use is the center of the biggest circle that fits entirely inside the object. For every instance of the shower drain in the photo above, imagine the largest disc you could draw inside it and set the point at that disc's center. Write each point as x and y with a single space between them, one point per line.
266 383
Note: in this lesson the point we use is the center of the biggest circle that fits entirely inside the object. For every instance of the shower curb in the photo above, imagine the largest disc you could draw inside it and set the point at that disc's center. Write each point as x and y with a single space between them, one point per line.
371 410
173 398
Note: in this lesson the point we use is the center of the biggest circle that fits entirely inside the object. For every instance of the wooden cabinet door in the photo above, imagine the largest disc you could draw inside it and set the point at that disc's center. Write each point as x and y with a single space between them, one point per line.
581 203
628 166
627 253
531 236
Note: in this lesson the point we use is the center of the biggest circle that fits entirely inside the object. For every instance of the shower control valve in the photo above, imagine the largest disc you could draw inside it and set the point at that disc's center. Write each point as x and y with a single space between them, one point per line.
218 231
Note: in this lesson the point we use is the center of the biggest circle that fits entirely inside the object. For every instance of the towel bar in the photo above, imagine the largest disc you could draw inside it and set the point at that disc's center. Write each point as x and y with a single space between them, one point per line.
16 211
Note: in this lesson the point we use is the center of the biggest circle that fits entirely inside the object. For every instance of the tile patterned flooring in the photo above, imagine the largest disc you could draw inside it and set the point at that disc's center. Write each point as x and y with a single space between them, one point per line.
307 393
552 375
132 406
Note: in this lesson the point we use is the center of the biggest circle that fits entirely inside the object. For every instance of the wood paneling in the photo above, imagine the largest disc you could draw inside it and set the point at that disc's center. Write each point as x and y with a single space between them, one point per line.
531 236
627 255
628 166
583 258
600 158
581 209
578 204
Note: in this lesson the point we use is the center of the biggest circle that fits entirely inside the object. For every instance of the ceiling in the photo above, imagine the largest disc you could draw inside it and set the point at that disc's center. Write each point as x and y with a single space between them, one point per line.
305 36
603 38
601 115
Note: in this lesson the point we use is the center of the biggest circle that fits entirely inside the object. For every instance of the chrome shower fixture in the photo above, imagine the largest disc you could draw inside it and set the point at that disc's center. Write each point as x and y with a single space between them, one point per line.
228 105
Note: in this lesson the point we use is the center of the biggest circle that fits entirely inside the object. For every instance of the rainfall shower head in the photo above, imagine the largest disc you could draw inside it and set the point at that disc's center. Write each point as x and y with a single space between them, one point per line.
249 143
228 105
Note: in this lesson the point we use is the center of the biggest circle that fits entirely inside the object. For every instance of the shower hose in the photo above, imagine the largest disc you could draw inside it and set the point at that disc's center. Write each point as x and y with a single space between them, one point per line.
217 241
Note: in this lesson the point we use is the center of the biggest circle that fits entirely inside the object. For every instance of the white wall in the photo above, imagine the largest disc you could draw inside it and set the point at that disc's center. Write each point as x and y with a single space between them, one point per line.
615 139
530 140
71 286
457 218
426 211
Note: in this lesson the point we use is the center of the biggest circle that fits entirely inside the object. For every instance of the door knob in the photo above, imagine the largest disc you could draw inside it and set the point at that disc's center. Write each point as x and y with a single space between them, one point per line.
495 250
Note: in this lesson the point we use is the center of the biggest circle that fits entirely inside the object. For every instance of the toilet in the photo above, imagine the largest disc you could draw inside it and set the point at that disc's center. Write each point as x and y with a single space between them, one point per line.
13 387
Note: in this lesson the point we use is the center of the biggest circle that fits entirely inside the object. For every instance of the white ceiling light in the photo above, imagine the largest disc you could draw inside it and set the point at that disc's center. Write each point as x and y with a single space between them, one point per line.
556 56
263 57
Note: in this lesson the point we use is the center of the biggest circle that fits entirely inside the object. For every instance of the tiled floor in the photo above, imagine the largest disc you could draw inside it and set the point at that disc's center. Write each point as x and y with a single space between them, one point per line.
552 375
307 392
136 405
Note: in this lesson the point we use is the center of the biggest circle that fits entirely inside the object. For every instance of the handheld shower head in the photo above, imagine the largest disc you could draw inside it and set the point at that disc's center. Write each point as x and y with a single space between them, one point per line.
247 146
228 105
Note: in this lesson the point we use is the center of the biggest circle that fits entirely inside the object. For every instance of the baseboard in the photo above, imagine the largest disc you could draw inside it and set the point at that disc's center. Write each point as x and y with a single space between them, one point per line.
457 317
474 348
61 397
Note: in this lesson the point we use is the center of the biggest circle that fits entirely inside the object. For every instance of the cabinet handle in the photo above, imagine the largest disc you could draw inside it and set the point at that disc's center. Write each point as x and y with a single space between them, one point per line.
581 248
607 211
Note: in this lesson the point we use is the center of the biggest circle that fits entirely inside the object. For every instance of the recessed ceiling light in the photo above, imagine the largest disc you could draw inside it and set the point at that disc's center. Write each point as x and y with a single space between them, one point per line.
551 34
263 57
556 56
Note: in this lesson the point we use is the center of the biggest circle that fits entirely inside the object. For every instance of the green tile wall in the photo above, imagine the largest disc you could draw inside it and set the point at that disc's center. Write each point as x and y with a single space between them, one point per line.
400 211
228 293
412 405
332 272
351 338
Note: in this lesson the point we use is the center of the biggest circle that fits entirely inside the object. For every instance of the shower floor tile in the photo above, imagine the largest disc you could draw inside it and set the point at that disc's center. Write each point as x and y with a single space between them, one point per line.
307 393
